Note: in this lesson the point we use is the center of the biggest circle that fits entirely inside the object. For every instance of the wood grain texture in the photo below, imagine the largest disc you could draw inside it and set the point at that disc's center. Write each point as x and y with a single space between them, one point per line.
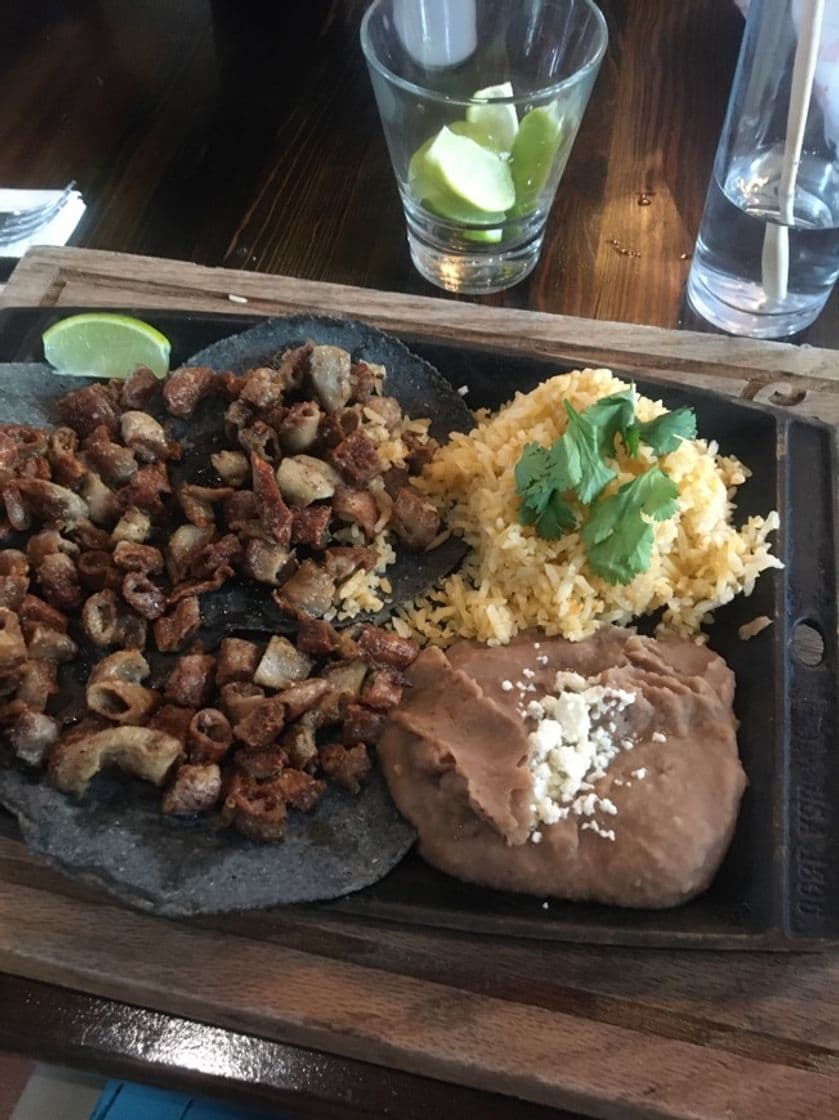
805 380
294 994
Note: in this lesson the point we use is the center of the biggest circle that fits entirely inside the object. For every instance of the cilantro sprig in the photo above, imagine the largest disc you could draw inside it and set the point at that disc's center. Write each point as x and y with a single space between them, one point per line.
580 465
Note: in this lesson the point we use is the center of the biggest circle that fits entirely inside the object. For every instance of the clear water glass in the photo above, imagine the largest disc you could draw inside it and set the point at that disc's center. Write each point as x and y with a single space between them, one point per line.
730 284
476 220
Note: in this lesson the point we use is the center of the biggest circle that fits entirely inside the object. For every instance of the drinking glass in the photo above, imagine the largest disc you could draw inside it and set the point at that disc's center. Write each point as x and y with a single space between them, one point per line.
733 281
480 101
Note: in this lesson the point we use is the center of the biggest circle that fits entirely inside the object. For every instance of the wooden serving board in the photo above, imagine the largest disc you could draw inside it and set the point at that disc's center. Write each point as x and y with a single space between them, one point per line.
607 1032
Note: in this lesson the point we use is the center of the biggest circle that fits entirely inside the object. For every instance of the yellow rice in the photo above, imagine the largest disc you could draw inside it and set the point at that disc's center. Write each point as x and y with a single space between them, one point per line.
512 579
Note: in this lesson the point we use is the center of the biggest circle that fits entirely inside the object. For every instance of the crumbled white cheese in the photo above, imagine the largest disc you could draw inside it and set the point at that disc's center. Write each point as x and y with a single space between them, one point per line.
657 737
571 746
528 673
536 837
507 686
542 659
537 645
640 773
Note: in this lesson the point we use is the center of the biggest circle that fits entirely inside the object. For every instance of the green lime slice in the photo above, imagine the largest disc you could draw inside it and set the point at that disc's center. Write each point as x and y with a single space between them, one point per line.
498 123
460 166
533 153
101 344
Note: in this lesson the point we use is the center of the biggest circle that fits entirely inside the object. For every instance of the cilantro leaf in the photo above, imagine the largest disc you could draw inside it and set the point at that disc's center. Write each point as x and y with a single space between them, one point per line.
631 438
611 415
557 518
532 471
666 432
618 541
584 455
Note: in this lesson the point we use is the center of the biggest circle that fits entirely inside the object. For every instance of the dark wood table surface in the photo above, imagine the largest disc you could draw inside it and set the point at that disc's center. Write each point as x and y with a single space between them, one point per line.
242 134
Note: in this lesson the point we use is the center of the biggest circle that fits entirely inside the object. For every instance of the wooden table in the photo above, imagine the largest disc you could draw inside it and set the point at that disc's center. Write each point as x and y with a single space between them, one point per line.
218 133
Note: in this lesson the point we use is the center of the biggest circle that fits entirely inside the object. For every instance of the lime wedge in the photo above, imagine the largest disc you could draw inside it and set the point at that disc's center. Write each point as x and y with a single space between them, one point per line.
458 165
498 123
534 150
100 344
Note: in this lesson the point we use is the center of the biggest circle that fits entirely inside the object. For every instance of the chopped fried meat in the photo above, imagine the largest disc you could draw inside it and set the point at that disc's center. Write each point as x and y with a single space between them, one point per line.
342 561
36 683
239 698
97 570
59 581
196 788
232 467
185 387
294 365
380 647
303 479
143 596
298 429
47 501
210 736
138 390
335 428
310 589
318 637
262 725
346 677
143 558
133 526
281 665
147 489
200 586
47 543
34 611
362 381
299 744
420 451
310 526
255 809
329 368
356 507
362 725
68 468
347 766
237 660
299 698
262 765
260 439
86 409
267 563
114 463
12 644
173 631
383 689
30 735
300 790
386 409
356 458
263 388
226 552
186 544
414 519
274 514
191 681
173 720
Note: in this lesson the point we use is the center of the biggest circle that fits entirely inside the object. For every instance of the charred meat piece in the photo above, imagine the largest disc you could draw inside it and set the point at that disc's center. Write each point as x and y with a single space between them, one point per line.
310 527
86 409
255 809
262 765
97 571
310 589
191 681
300 790
317 637
363 380
347 766
383 689
346 677
362 725
293 366
356 507
239 698
47 501
335 428
186 544
134 526
138 390
274 514
299 427
144 597
300 746
30 735
356 458
36 683
146 489
329 368
381 647
68 468
209 736
130 557
173 631
195 789
12 644
237 660
414 519
263 388
226 552
341 561
185 387
420 451
173 720
58 578
387 410
262 725
260 439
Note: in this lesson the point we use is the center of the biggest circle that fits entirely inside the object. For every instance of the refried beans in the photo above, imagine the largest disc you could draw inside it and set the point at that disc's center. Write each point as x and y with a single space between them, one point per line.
617 781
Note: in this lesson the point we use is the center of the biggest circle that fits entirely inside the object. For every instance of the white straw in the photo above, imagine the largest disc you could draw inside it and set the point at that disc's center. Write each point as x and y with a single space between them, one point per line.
775 260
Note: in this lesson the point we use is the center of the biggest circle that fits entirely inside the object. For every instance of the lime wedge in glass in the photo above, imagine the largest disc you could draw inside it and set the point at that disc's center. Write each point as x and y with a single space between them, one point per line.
474 175
498 123
532 155
101 344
